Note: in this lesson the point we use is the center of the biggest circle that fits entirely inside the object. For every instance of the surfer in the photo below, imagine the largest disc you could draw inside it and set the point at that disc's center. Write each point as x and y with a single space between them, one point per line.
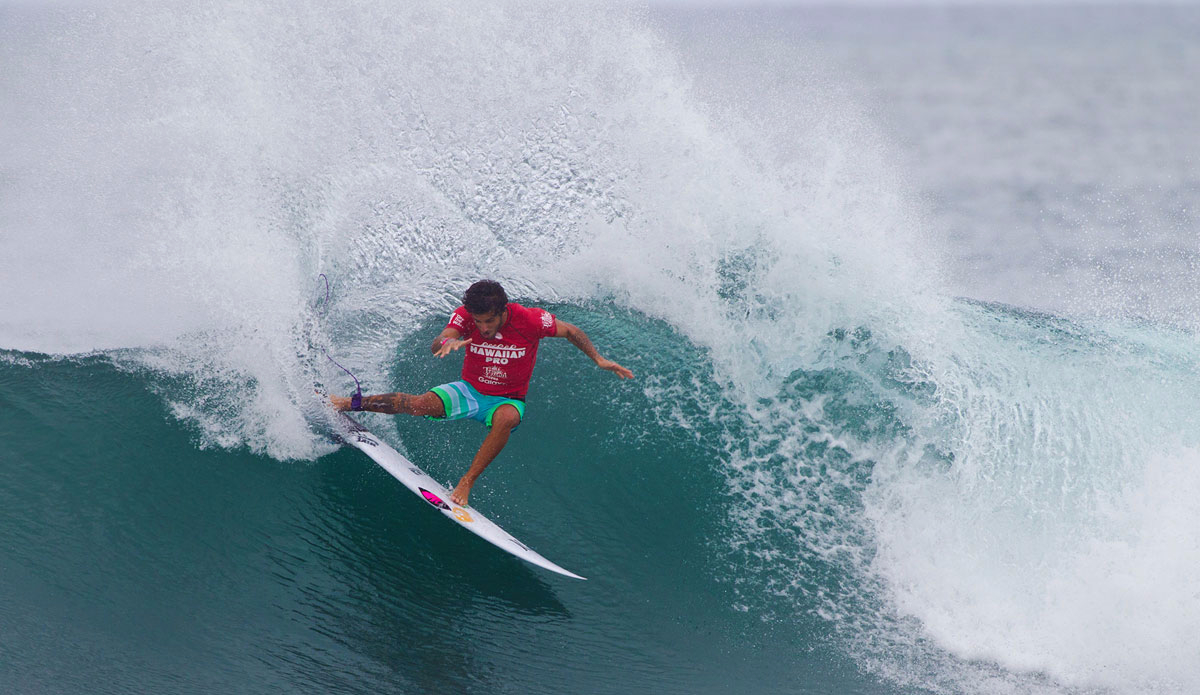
501 342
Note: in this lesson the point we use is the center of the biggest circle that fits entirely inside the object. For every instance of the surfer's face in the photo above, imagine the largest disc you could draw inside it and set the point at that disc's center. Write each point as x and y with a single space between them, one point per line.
488 324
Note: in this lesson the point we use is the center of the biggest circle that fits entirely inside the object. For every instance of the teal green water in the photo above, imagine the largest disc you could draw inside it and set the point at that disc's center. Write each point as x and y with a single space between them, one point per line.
723 551
135 561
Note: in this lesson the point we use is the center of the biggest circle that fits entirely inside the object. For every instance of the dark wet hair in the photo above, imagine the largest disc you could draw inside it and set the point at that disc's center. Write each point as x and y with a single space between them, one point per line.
485 297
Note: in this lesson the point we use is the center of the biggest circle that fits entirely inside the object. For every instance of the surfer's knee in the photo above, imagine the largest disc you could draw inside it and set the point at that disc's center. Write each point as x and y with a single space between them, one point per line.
505 418
430 404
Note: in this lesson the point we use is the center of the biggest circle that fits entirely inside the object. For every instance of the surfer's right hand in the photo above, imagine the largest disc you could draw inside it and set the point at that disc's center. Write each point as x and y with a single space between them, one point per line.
449 346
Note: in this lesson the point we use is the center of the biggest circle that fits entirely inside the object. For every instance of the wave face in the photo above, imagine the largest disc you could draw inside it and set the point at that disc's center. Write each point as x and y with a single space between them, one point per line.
828 471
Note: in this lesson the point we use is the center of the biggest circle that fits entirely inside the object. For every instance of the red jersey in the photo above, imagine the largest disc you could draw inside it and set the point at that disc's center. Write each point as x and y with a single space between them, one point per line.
503 365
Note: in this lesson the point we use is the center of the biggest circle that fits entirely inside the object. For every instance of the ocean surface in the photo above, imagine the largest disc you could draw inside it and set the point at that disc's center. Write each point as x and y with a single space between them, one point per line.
910 293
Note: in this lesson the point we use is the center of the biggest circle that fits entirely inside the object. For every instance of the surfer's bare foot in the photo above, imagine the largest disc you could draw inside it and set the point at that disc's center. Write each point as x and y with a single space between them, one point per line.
461 492
339 403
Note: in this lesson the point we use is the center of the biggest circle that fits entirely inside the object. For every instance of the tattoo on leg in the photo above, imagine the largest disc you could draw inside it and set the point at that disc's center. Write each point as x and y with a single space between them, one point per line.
406 403
391 403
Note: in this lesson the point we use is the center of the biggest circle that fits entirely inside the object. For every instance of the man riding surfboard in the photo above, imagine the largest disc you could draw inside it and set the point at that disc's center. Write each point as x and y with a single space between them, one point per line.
501 342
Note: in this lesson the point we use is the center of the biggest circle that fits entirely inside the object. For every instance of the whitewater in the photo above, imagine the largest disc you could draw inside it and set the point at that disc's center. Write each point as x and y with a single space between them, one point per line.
852 461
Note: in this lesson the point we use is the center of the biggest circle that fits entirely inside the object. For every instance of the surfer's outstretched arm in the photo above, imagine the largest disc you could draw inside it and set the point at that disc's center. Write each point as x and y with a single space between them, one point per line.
427 403
580 340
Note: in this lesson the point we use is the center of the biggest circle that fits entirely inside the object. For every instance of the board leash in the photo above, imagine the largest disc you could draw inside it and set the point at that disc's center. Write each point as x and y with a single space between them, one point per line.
356 399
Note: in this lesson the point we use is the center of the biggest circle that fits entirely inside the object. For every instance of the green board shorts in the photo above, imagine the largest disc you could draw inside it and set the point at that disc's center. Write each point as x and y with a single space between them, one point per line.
463 401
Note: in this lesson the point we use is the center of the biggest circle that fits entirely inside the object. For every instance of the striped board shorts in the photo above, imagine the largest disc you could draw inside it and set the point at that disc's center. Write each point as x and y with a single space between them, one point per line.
461 400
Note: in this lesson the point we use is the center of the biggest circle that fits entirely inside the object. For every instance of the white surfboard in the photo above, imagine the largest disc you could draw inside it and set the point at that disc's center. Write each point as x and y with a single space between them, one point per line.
433 493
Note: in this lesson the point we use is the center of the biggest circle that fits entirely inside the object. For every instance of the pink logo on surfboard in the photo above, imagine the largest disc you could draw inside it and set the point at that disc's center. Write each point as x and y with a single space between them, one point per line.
433 499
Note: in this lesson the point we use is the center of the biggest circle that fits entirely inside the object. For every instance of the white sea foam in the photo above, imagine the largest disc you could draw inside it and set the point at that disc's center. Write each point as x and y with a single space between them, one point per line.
180 175
1039 547
184 173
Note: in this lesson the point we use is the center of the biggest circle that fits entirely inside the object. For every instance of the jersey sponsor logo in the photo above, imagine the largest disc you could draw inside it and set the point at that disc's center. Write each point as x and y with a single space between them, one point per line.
491 372
493 350
433 499
547 319
456 321
497 354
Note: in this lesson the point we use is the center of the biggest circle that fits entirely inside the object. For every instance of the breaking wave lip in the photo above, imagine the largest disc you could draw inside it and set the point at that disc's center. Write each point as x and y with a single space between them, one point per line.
223 169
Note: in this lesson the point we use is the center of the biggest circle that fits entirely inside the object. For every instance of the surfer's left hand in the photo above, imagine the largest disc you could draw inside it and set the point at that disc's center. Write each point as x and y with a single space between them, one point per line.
609 365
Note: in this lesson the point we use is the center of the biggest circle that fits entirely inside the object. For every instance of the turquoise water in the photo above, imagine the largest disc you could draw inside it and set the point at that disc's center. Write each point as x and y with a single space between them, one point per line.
137 562
726 546
878 442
